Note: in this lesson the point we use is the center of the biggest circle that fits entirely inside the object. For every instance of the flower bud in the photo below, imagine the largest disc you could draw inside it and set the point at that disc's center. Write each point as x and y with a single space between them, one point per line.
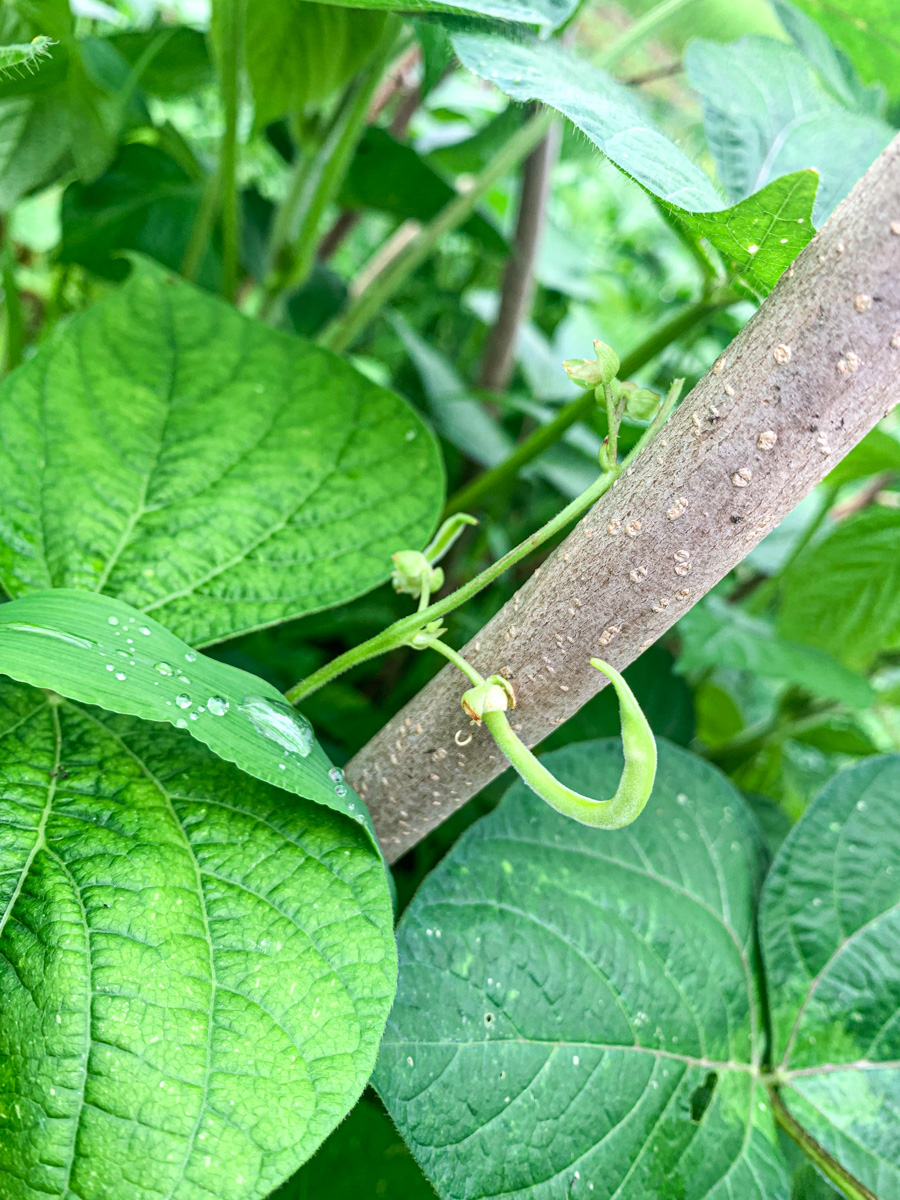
640 403
494 695
412 571
593 372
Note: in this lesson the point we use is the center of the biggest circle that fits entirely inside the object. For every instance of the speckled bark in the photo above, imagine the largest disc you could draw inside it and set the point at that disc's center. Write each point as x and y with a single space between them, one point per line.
814 370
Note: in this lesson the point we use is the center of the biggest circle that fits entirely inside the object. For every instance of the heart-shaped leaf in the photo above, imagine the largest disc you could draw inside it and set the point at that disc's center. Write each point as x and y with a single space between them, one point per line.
195 967
203 467
577 1011
97 650
759 237
830 922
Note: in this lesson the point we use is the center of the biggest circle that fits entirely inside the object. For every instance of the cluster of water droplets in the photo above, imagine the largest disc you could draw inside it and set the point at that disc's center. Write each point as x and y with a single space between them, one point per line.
274 719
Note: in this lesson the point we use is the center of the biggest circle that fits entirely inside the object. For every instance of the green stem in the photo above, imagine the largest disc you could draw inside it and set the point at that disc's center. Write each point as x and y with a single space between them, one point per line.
314 184
830 1167
401 631
643 28
201 234
582 406
457 659
14 342
750 741
346 326
231 29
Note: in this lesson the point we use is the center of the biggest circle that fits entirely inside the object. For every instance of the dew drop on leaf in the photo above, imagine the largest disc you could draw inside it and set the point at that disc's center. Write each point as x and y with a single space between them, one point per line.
217 705
163 668
183 701
113 620
120 675
190 656
279 722
336 775
340 790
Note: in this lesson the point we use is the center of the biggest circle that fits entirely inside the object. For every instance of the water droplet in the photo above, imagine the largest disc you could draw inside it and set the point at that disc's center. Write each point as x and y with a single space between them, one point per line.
280 722
82 643
183 678
163 668
336 775
193 716
340 790
123 653
109 666
129 641
190 656
217 705
120 675
180 723
113 620
183 701
144 630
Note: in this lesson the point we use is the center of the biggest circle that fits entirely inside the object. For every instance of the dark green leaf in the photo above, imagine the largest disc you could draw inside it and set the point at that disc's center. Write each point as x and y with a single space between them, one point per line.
843 594
145 202
577 1011
758 237
364 1159
528 12
301 53
97 650
34 144
830 921
180 65
195 967
718 634
392 178
767 115
204 467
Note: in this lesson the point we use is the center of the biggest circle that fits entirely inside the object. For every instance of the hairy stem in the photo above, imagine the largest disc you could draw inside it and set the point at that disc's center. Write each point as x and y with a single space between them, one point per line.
830 1167
517 294
472 494
401 631
347 325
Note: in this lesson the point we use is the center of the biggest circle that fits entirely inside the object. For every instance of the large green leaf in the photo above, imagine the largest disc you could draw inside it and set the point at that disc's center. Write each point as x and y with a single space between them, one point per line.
830 921
878 451
718 634
766 114
577 1011
145 202
831 64
301 53
98 650
195 967
843 594
758 237
209 470
34 144
868 30
364 1159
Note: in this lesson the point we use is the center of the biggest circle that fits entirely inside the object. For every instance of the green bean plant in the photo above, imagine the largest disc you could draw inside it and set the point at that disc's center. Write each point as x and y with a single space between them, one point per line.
295 303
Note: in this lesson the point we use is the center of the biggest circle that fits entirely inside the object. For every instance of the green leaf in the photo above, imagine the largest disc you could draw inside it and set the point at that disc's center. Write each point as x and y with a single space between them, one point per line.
758 237
577 1011
181 65
832 66
390 177
830 929
869 32
843 594
878 451
766 115
34 144
529 12
718 634
203 467
98 650
301 53
145 202
364 1159
195 967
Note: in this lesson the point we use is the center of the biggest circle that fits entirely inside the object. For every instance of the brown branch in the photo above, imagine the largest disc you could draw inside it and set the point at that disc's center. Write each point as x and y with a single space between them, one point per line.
517 294
766 424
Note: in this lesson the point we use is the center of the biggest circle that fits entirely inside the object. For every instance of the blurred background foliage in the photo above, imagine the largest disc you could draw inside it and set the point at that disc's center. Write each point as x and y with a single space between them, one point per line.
778 678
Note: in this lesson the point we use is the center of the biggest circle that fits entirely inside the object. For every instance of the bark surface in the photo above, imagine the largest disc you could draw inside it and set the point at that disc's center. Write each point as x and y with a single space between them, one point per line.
812 372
